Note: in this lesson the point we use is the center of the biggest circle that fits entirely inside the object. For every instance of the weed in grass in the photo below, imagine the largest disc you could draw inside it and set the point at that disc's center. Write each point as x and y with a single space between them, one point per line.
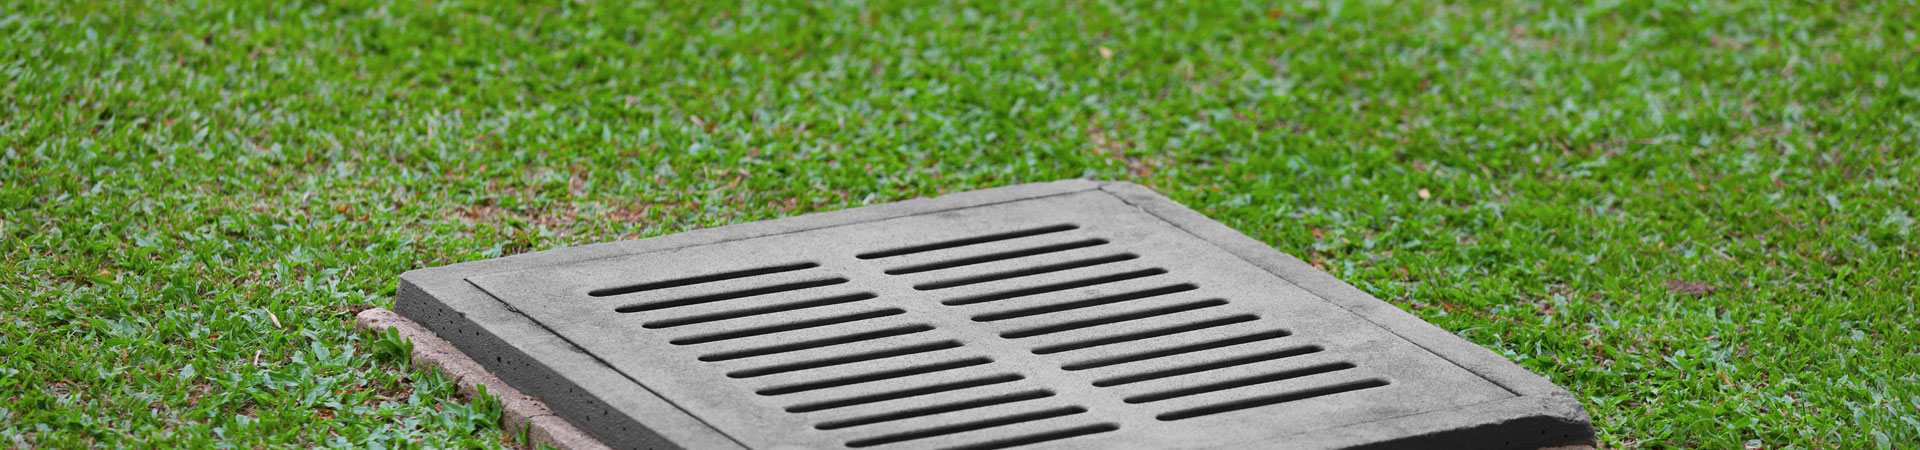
391 346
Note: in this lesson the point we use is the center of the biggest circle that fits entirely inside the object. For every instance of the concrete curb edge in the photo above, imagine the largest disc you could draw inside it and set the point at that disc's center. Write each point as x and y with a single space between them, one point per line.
522 411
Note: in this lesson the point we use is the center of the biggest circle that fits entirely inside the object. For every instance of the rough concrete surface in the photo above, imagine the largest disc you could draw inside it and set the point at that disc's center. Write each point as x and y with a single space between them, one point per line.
1075 314
521 411
544 428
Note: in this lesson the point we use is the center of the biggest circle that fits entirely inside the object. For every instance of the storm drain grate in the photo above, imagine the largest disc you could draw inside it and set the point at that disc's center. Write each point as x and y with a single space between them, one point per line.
1067 315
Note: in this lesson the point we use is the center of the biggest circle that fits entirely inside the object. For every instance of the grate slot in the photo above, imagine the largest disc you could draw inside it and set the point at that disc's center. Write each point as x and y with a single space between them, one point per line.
966 427
943 245
905 393
1036 438
1027 272
1113 319
1088 303
1180 350
1205 367
750 312
843 360
1239 382
872 377
703 279
1056 287
817 343
1002 256
1269 400
1148 334
731 295
782 328
935 410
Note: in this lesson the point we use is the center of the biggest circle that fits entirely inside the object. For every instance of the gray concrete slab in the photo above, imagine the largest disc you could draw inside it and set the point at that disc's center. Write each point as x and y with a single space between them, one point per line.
1075 314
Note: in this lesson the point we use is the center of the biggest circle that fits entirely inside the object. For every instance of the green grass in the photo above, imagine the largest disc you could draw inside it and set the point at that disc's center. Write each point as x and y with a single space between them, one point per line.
193 194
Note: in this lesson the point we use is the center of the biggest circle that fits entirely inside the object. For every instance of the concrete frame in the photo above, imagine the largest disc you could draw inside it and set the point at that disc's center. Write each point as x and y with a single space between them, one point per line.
624 414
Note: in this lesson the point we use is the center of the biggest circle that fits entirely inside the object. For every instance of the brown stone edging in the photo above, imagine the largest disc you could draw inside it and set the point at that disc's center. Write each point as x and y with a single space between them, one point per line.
522 411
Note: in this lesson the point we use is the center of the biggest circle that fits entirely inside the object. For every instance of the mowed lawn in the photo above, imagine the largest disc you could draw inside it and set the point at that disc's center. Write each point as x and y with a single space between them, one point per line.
1696 216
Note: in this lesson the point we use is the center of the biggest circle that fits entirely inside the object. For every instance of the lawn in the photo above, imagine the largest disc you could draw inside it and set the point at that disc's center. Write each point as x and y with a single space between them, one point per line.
1699 217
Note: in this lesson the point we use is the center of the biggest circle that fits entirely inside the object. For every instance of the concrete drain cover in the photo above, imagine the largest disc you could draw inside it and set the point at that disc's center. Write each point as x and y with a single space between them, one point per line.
1062 315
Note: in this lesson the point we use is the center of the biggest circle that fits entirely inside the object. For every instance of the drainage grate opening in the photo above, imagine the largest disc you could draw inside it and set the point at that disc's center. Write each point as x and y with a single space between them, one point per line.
724 296
1111 320
758 311
1002 256
904 393
965 427
1239 383
1025 272
1069 321
1174 351
934 410
848 359
814 344
702 279
943 245
1204 367
1030 439
1144 335
785 327
1257 402
872 377
1079 304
